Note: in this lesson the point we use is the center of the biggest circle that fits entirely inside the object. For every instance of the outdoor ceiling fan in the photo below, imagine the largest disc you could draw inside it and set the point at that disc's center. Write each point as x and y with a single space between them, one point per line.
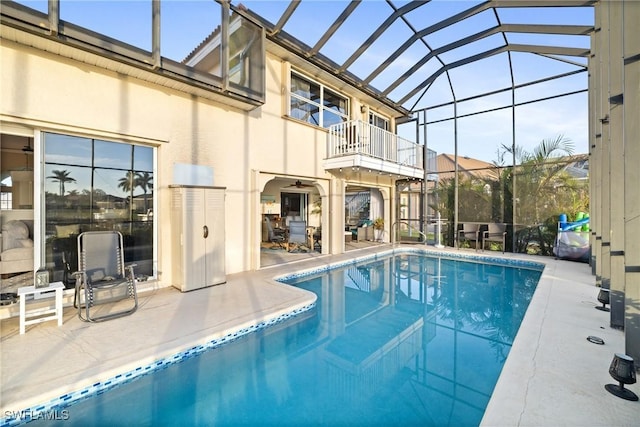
299 184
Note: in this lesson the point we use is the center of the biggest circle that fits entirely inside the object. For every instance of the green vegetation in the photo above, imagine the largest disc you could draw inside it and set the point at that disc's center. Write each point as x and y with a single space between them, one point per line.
543 188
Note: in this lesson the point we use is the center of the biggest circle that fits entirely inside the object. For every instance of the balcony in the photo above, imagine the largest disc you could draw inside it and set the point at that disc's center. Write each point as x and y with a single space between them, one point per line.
357 145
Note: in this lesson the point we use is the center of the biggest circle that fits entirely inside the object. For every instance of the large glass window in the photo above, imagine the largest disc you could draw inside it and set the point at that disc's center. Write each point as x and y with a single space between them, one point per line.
90 184
313 103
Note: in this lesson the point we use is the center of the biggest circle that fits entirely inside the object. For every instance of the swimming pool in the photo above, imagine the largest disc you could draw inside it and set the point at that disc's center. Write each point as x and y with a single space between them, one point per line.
404 339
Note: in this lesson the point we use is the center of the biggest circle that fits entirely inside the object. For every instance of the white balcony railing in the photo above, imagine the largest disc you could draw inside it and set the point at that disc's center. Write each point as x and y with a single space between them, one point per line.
357 137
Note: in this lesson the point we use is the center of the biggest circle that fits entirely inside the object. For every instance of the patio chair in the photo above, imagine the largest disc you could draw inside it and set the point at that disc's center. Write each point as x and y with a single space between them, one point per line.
497 232
362 231
103 281
298 234
469 232
278 238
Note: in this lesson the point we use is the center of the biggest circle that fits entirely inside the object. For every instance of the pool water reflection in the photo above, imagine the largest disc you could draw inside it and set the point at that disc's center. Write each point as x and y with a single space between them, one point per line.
404 340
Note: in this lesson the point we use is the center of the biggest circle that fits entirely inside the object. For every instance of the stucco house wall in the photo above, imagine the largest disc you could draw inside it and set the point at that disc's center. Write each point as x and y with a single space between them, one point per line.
99 98
53 93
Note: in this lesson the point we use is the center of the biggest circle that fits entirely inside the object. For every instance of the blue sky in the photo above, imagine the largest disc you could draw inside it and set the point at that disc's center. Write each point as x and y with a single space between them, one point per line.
186 23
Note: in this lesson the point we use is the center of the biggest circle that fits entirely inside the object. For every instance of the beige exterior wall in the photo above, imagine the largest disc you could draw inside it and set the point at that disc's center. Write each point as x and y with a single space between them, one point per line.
615 201
52 93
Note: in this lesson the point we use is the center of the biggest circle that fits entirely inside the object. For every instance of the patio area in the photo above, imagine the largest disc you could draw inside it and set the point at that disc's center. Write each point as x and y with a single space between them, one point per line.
553 375
271 255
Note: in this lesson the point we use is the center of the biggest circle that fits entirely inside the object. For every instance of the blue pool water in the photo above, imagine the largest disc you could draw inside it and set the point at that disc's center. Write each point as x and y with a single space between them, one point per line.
403 340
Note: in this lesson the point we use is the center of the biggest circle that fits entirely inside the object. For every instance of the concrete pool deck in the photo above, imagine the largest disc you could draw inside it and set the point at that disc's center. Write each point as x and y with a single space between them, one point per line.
553 375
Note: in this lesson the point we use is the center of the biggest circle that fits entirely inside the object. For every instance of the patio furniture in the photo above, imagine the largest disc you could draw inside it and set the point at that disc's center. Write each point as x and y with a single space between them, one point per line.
103 278
297 234
497 232
362 231
39 315
16 248
470 232
278 238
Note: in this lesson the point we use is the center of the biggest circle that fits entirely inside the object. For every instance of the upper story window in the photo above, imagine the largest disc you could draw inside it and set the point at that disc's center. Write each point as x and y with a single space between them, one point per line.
378 121
314 103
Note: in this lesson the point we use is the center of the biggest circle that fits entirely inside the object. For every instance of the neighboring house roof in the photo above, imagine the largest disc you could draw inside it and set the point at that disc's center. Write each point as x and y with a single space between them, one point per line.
578 168
468 167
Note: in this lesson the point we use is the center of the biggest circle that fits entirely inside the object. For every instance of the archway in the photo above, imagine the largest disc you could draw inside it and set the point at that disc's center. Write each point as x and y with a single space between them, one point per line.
282 199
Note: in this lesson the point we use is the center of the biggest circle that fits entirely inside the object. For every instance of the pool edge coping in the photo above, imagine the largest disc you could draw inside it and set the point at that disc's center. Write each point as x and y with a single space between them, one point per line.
119 376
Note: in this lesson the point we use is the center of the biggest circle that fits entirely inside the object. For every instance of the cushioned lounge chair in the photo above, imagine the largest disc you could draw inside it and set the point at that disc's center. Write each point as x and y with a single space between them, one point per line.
16 248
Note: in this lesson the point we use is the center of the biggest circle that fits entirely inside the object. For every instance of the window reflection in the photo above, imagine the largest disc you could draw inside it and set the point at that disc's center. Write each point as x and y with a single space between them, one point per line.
332 119
91 185
111 154
142 158
335 102
64 184
68 150
246 60
315 104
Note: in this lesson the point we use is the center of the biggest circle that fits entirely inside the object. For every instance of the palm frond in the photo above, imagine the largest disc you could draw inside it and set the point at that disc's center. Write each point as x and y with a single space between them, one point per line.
549 148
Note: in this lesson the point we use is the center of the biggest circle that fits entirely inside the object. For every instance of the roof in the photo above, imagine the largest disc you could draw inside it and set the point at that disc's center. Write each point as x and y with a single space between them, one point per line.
578 166
467 167
406 51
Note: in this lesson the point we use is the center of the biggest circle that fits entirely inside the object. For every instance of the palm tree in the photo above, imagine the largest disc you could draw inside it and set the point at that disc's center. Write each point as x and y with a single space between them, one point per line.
543 189
144 180
538 176
62 177
127 182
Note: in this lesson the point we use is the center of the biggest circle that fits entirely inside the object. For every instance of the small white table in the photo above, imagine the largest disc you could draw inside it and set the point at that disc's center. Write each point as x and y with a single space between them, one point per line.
56 312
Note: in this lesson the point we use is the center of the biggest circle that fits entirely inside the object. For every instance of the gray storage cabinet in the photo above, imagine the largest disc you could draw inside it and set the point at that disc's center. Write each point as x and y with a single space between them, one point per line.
197 233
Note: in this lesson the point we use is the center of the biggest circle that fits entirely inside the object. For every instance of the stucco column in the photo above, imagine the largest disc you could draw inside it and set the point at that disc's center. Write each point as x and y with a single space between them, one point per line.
631 123
326 219
602 46
388 214
595 159
336 213
255 220
616 165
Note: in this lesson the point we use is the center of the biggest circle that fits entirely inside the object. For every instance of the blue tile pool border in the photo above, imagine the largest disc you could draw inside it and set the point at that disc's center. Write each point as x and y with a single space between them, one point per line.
507 262
55 408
